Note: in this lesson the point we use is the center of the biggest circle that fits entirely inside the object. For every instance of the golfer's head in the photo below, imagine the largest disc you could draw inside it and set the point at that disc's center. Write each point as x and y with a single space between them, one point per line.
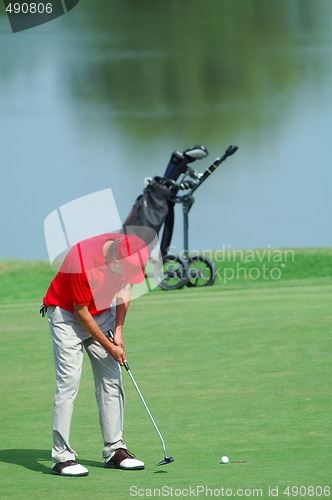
128 256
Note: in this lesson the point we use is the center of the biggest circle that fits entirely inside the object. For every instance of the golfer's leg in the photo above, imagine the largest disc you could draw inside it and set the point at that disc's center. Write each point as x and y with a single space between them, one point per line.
68 357
109 394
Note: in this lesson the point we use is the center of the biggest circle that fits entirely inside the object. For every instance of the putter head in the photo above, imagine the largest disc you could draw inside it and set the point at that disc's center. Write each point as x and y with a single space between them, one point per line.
167 460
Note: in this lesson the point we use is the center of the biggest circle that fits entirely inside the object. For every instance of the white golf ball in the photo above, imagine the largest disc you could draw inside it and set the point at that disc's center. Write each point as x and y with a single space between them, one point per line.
224 459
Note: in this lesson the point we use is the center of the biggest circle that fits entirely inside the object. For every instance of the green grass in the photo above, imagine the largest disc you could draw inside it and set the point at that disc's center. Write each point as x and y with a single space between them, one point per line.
241 368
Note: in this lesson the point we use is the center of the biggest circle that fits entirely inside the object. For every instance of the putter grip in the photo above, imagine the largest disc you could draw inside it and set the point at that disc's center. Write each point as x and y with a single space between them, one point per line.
125 364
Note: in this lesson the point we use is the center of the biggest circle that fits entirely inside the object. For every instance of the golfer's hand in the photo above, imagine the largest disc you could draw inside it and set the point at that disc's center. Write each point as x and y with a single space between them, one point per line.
118 339
118 353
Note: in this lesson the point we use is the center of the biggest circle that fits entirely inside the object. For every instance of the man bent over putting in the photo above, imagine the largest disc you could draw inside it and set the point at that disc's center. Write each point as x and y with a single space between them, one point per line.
95 273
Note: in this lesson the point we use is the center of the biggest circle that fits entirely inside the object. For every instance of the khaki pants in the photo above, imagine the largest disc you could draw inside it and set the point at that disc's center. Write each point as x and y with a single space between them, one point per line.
69 338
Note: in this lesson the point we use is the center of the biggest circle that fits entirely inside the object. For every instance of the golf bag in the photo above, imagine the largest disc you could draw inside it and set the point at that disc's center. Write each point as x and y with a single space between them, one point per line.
155 207
152 209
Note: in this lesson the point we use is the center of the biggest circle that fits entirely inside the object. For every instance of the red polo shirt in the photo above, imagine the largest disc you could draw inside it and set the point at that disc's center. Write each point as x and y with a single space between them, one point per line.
84 279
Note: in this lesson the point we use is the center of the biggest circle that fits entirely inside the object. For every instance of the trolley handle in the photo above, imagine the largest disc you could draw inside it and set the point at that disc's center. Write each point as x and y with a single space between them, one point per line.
229 151
200 178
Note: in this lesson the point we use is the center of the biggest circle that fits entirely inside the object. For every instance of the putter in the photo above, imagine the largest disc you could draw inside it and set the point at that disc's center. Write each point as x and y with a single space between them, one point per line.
166 460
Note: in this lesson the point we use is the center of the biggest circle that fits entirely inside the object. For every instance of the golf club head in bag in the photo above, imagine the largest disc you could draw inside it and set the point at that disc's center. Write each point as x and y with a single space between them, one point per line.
178 163
196 153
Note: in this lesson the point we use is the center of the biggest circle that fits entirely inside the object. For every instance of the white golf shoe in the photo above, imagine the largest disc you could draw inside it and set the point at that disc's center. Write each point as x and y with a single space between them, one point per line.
70 469
123 459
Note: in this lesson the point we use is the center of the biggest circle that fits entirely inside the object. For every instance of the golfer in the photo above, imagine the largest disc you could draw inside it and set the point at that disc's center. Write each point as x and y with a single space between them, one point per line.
89 296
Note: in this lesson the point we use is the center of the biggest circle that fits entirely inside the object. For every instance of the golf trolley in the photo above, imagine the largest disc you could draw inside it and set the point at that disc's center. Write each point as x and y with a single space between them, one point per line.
155 208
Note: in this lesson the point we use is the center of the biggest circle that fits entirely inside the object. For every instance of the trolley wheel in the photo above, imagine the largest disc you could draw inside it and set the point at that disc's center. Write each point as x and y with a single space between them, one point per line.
174 273
201 271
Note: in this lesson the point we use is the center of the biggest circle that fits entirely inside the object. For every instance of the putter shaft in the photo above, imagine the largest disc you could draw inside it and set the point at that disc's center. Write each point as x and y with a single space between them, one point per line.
145 405
166 458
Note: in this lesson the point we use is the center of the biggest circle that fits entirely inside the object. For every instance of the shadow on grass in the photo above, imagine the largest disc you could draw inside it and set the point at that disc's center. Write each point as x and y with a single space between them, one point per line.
30 459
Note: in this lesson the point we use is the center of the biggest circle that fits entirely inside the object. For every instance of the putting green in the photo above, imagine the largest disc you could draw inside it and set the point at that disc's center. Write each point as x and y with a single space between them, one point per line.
239 369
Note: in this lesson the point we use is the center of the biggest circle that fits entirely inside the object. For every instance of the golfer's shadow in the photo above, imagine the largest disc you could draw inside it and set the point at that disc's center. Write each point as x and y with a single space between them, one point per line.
30 459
